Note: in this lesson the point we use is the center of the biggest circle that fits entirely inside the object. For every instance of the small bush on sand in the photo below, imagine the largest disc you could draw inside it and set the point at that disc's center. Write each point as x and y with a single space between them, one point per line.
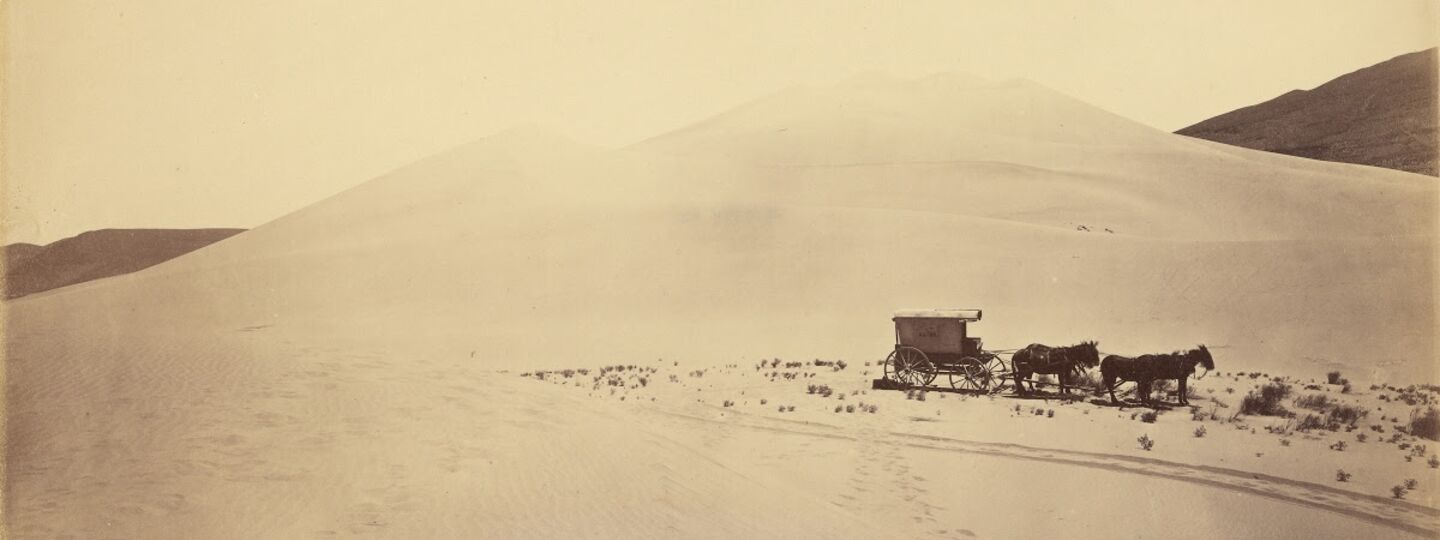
1315 402
1342 476
1266 402
850 408
1333 377
1339 446
1411 484
1050 413
1200 432
1146 442
1398 492
1434 462
1149 417
1284 442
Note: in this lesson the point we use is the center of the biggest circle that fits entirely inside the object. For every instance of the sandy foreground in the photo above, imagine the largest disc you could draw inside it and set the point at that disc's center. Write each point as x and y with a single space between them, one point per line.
323 443
357 367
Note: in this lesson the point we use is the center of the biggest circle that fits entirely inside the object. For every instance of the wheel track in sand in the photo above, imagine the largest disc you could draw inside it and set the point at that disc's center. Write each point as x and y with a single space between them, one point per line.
1396 514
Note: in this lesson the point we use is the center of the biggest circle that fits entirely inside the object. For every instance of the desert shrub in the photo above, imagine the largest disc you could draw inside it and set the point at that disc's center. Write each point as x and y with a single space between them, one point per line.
1149 417
1425 423
1146 442
764 402
1411 484
1398 492
1050 413
1200 432
1434 462
1315 402
729 403
839 408
1333 377
850 408
1266 402
1339 446
1360 437
1342 476
1346 389
1347 415
789 408
1284 442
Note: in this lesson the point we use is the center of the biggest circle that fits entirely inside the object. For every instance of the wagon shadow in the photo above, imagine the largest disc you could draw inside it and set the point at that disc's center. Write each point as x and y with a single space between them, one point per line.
1132 404
1046 396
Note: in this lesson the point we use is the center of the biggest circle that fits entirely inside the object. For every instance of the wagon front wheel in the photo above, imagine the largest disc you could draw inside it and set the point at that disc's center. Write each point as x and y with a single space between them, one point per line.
969 375
995 371
909 366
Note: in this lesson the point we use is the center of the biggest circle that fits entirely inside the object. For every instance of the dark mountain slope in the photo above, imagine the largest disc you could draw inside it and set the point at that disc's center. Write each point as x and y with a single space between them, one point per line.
98 254
1383 115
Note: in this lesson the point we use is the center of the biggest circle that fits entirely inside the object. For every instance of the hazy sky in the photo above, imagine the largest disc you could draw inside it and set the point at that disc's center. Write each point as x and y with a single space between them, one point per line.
178 113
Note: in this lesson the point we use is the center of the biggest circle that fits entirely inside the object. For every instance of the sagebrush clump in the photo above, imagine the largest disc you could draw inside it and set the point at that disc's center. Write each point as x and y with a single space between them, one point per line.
1266 402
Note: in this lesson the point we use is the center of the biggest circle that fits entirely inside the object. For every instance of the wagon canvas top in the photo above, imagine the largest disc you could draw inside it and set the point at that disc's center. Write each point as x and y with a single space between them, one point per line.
969 315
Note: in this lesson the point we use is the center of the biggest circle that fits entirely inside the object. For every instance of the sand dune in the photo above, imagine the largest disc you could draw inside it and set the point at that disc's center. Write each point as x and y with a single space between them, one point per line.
336 371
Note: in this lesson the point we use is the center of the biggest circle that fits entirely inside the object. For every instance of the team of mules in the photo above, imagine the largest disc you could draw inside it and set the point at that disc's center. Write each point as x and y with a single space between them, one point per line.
1144 370
1062 362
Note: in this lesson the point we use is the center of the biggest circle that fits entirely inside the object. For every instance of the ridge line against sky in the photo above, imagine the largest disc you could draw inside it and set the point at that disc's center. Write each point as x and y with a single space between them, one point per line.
160 113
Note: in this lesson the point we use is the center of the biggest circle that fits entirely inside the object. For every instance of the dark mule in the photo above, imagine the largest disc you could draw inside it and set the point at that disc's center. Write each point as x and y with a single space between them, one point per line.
1059 361
1143 371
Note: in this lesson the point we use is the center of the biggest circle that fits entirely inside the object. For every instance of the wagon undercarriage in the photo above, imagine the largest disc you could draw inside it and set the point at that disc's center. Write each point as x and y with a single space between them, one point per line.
982 371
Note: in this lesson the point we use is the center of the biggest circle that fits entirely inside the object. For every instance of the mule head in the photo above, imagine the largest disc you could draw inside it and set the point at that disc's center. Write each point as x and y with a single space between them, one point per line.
1087 355
1201 356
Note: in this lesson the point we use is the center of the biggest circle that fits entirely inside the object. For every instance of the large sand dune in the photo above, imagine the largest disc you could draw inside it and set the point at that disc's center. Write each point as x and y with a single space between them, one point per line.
335 369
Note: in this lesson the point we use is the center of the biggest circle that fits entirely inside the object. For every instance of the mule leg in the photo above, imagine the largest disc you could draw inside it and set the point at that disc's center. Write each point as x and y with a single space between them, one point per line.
1019 380
1064 377
1183 399
1110 384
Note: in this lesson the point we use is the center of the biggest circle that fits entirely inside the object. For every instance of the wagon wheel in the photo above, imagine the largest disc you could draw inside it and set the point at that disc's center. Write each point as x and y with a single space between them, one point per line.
983 373
996 372
969 375
909 366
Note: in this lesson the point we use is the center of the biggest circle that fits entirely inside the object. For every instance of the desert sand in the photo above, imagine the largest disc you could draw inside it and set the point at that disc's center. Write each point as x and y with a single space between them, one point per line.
357 367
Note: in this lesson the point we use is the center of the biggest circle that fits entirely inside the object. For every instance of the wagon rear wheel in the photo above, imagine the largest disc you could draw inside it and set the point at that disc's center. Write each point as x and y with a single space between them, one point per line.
909 366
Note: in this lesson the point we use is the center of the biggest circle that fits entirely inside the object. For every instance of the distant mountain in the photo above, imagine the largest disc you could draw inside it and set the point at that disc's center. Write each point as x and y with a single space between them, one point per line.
1383 115
98 254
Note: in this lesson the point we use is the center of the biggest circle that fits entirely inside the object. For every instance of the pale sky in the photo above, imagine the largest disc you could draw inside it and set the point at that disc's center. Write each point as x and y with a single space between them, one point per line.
178 113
